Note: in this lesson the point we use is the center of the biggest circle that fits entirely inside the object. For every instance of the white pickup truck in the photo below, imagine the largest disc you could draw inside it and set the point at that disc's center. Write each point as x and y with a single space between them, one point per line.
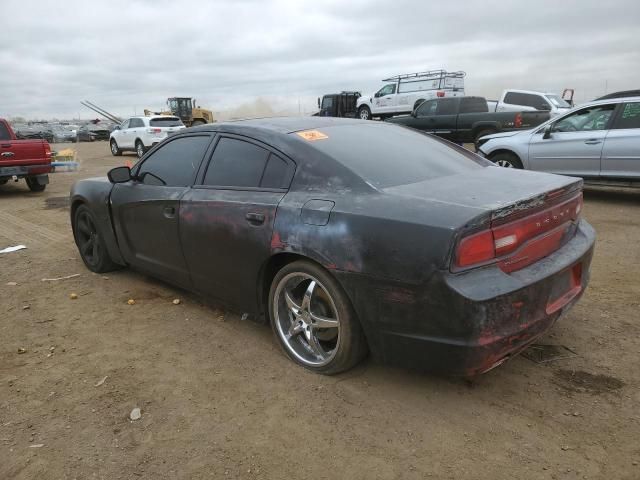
403 93
529 100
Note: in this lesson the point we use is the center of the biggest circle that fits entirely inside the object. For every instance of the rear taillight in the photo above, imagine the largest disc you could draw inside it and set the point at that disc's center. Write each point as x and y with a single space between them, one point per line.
440 94
153 130
518 243
518 121
47 150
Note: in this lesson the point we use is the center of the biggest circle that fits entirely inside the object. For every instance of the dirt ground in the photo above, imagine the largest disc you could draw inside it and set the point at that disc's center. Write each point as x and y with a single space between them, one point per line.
219 400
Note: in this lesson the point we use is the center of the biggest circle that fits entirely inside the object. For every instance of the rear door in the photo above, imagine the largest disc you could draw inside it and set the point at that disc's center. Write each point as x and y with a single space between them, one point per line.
146 210
226 221
621 151
575 144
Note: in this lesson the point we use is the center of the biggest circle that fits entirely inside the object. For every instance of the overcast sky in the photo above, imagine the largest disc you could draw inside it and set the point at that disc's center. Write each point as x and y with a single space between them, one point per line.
128 55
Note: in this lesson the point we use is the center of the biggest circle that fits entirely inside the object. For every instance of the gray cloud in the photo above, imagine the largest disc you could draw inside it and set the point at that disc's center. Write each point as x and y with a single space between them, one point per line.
127 55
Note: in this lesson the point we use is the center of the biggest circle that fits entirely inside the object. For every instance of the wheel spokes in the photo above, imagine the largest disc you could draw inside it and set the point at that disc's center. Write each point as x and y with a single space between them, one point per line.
319 321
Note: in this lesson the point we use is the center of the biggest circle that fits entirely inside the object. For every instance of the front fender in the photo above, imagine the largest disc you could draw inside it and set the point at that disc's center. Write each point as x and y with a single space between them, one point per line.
95 193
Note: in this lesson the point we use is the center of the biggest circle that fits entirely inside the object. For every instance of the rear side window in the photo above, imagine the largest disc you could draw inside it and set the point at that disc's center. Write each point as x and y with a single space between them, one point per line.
473 105
165 122
236 163
526 100
447 106
427 108
630 116
136 123
4 132
175 163
276 173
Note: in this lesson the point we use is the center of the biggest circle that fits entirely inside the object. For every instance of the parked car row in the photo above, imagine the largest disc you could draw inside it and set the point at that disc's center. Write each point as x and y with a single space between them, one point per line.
598 141
59 133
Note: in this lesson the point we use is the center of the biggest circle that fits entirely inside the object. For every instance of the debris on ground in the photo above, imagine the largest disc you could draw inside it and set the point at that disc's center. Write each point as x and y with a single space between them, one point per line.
37 445
73 296
244 316
12 249
11 284
135 414
22 350
26 307
100 382
131 301
60 278
176 301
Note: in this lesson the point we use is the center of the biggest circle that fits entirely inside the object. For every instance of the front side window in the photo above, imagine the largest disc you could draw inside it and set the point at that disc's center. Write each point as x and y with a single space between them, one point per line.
630 116
427 108
175 163
124 124
585 119
387 90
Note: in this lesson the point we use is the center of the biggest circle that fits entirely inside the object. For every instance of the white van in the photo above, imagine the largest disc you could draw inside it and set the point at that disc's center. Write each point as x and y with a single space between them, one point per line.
403 93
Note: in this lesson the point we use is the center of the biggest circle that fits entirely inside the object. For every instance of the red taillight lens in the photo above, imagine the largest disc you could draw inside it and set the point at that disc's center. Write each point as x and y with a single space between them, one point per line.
474 249
518 121
154 130
520 242
47 150
440 94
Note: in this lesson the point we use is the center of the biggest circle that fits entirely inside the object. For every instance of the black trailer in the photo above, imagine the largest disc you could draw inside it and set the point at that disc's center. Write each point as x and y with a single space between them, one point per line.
341 104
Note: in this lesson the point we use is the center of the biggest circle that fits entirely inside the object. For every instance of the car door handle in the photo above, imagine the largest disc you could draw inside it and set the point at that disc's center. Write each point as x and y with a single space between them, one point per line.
7 154
255 218
592 141
169 212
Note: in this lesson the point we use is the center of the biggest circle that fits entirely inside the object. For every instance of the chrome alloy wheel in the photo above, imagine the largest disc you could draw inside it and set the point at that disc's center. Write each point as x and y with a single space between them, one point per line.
306 319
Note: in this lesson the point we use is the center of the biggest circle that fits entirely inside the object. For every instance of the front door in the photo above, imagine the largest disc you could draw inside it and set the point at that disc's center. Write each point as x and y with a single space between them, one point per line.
621 151
385 98
575 142
146 210
226 222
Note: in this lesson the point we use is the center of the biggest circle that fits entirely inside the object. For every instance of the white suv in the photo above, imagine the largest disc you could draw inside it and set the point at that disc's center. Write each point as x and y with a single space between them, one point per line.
139 134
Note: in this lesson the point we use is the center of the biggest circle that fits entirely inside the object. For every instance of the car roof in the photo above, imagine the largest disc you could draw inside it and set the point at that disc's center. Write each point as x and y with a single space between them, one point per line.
283 125
611 100
539 92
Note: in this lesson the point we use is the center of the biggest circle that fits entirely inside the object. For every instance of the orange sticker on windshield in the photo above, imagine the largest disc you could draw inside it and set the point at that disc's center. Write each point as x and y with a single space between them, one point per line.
312 135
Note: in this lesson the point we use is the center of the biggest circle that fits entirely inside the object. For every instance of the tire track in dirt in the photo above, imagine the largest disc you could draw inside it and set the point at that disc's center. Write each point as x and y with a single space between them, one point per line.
17 229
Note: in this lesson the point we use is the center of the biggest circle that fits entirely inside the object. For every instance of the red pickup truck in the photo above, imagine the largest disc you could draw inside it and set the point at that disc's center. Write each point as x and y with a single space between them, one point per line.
28 159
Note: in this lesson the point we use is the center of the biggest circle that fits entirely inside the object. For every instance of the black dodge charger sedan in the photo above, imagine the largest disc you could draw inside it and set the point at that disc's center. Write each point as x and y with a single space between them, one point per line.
348 237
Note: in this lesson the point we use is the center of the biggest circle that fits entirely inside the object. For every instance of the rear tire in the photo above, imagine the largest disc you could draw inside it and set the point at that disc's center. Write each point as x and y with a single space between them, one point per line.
34 186
140 148
317 299
506 160
364 113
115 150
90 243
481 134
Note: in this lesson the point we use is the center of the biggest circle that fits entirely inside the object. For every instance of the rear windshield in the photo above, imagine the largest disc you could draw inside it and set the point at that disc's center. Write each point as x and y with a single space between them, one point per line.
165 122
388 155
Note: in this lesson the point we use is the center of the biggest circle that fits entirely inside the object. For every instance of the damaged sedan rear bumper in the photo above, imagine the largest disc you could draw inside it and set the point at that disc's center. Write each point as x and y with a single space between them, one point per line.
468 323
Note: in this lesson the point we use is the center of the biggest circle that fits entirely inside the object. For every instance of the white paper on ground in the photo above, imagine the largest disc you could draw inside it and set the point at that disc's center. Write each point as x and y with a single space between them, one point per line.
12 249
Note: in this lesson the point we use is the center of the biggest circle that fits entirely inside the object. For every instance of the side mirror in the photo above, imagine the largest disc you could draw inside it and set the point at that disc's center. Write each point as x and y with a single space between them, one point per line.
547 132
377 94
117 127
119 175
318 102
414 113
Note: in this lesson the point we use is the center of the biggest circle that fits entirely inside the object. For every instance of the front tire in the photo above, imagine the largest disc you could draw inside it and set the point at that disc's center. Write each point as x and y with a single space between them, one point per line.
364 113
506 160
313 320
90 243
115 150
34 186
